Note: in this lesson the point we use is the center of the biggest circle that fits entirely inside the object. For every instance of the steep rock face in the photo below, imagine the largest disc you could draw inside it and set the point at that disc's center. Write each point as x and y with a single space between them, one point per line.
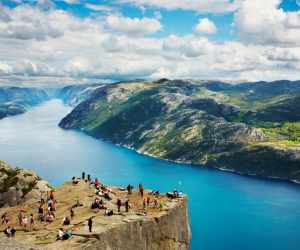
19 185
198 123
169 231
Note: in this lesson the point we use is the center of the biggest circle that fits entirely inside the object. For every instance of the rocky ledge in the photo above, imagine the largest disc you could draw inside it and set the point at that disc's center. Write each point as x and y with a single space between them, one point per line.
162 223
19 185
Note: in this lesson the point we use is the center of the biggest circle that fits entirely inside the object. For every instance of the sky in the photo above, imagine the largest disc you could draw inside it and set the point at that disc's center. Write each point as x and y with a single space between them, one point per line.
96 40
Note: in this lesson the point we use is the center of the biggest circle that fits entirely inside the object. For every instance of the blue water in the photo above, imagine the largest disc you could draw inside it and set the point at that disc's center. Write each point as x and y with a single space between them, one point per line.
227 211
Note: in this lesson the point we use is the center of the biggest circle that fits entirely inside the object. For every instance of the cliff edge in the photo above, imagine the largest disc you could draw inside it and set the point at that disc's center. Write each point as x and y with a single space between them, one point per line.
161 224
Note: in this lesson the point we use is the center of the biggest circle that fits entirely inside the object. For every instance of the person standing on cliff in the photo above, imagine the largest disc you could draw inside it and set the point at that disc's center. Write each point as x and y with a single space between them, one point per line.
141 188
90 224
83 176
72 213
119 204
20 217
31 221
127 206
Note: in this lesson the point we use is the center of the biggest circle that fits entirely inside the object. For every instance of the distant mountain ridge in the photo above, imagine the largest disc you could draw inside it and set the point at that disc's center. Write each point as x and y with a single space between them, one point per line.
16 100
247 128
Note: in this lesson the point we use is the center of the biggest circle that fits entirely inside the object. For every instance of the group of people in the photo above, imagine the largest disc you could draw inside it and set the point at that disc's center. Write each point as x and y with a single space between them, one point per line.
101 190
24 221
126 205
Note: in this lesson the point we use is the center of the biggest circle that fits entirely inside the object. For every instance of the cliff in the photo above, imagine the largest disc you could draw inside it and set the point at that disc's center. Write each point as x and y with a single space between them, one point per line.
161 227
19 185
201 123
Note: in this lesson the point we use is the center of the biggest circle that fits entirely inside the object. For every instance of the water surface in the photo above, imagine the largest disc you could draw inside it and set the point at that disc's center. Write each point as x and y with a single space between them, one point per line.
227 211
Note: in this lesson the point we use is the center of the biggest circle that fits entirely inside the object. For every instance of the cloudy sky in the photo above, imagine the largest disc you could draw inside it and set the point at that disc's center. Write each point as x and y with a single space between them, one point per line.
230 40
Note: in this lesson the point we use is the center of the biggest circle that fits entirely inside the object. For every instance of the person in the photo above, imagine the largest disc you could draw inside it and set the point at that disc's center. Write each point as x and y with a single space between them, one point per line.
141 188
72 213
155 203
90 224
109 212
20 217
50 217
52 195
119 204
83 176
10 231
66 221
60 234
148 201
129 189
97 182
3 218
24 221
67 235
74 181
106 196
41 213
144 204
89 177
127 206
31 221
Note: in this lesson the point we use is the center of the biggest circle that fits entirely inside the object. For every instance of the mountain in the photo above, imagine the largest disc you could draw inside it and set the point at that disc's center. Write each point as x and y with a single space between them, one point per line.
204 123
16 100
74 94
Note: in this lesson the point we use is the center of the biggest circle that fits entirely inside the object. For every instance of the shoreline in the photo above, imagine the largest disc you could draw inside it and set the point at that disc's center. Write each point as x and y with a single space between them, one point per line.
296 183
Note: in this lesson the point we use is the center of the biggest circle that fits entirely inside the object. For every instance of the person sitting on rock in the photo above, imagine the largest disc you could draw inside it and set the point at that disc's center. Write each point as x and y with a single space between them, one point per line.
50 217
67 235
66 221
74 181
60 234
9 231
107 197
108 212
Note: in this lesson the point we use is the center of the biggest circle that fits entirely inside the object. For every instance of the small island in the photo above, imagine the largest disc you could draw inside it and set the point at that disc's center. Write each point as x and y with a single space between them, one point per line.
86 213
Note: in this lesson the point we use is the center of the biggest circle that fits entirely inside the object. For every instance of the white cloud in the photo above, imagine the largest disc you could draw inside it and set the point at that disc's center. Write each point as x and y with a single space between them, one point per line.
97 7
62 45
206 26
133 26
204 6
263 22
